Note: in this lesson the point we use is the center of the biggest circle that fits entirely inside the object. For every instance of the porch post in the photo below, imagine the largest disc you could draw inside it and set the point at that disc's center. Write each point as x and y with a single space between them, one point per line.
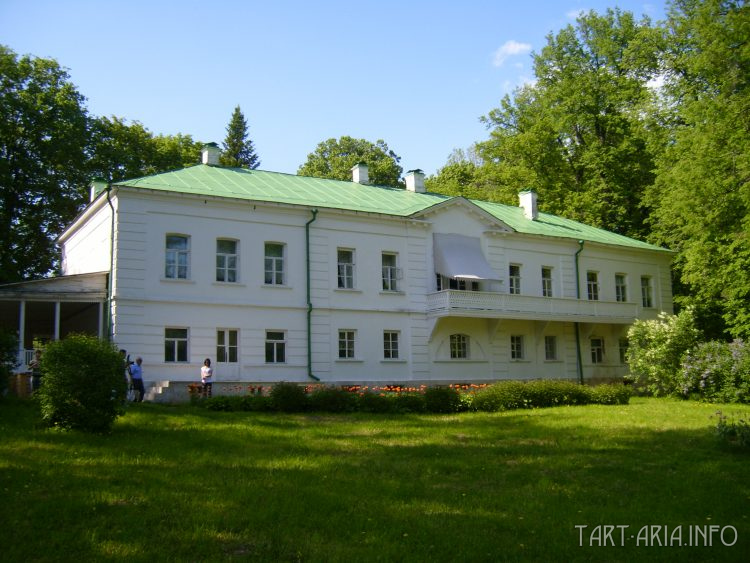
22 333
57 320
99 323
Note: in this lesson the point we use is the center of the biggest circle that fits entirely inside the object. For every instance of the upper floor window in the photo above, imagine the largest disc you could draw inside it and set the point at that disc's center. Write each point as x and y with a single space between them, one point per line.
177 263
345 260
390 345
226 346
226 260
175 345
274 263
391 271
592 286
546 282
597 350
514 279
621 288
346 344
459 344
646 292
456 283
275 347
516 347
550 348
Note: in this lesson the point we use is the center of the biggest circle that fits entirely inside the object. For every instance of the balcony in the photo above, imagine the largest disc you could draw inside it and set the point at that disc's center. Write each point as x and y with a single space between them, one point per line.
493 305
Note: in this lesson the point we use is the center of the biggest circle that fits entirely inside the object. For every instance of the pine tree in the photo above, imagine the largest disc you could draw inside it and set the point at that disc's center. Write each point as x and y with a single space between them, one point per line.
238 149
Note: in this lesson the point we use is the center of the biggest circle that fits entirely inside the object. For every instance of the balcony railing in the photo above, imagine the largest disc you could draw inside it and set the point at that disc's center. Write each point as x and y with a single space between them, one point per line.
503 305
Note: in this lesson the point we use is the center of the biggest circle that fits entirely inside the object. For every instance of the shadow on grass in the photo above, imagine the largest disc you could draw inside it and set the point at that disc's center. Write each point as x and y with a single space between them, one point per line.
187 484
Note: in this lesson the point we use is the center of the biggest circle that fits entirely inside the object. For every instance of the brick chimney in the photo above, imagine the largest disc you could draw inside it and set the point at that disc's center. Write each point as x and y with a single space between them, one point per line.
415 181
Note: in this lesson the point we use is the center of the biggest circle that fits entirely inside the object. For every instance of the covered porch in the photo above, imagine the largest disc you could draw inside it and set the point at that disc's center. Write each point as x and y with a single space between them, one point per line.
40 311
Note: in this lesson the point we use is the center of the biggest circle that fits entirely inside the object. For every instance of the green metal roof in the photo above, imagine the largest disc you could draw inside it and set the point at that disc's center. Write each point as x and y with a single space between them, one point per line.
261 186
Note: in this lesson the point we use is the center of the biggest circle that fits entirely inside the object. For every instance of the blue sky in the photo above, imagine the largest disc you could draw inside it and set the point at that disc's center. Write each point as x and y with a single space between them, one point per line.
416 74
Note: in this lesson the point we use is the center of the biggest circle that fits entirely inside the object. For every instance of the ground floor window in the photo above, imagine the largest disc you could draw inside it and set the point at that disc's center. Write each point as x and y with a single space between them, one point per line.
275 347
459 346
623 350
226 345
550 348
346 344
597 350
390 344
516 347
175 345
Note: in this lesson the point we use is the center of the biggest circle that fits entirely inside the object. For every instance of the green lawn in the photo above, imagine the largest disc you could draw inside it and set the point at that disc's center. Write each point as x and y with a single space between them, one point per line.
185 484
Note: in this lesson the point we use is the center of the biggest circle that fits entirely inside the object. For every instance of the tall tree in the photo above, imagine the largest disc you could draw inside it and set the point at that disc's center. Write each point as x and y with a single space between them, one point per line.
335 159
238 148
701 198
577 134
43 140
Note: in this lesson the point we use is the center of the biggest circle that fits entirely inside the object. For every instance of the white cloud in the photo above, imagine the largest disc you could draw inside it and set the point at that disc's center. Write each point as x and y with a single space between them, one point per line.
510 49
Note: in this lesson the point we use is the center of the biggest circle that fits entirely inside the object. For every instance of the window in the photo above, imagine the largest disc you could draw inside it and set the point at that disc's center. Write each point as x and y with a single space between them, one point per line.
345 259
546 282
646 297
516 347
175 345
391 272
550 348
177 263
275 347
346 344
390 345
455 283
621 288
624 350
226 346
226 260
592 285
274 263
597 350
514 275
459 346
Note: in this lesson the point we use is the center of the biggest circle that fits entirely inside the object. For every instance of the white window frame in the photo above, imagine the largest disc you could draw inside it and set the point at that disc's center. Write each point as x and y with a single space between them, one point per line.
225 350
459 346
274 266
517 351
621 288
347 344
597 350
592 285
647 293
344 269
223 260
173 342
391 340
173 257
277 347
514 279
550 348
391 274
547 284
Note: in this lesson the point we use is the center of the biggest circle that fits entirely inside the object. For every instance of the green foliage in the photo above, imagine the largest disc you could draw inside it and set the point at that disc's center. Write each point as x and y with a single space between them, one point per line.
239 151
733 432
83 385
656 350
288 397
234 403
505 395
511 395
335 159
442 400
8 357
43 142
552 393
612 394
375 403
332 399
408 403
717 371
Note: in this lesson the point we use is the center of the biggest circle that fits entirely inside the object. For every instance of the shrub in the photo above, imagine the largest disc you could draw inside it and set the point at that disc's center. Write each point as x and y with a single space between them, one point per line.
408 403
442 400
656 349
733 432
375 403
611 394
8 357
717 371
550 393
332 399
501 396
288 397
83 385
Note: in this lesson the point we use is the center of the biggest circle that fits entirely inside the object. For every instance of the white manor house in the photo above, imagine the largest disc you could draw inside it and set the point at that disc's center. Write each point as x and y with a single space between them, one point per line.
277 277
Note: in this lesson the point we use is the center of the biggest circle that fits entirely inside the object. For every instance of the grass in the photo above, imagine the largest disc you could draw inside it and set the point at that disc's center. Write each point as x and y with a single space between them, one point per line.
186 484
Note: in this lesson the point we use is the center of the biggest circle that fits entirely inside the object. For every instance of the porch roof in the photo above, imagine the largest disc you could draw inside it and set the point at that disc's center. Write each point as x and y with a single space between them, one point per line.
78 287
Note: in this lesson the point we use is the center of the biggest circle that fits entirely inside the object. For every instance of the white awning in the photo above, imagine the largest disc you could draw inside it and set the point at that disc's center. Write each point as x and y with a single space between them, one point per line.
459 256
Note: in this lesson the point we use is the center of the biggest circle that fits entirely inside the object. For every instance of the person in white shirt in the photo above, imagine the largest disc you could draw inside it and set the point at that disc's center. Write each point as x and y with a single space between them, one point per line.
207 374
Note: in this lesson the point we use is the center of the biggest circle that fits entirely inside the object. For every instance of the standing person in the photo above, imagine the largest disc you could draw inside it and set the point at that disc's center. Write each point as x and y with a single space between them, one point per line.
36 371
136 376
207 374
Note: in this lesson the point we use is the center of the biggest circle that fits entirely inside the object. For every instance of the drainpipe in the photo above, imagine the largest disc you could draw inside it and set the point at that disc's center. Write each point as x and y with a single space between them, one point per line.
309 299
110 283
578 332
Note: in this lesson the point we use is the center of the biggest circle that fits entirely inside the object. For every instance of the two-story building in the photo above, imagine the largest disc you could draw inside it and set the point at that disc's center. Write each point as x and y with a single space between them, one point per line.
281 277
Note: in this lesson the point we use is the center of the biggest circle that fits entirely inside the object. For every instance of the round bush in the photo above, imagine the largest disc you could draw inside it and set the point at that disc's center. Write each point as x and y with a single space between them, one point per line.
83 385
288 397
375 403
441 400
332 399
